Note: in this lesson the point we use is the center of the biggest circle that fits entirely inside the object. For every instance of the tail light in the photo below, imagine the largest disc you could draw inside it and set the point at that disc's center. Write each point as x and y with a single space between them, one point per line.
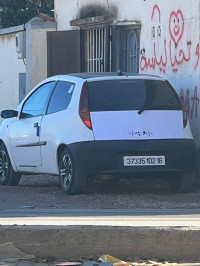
84 108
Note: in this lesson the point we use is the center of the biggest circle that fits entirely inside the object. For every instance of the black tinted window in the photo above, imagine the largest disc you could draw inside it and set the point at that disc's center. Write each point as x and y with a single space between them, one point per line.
61 97
37 102
118 95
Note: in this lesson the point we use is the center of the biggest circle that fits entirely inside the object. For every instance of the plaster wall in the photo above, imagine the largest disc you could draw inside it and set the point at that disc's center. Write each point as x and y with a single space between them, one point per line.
36 50
169 40
10 67
174 51
38 56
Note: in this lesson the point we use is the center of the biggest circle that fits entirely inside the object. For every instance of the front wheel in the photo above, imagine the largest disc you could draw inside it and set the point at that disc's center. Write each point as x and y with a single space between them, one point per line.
8 177
182 183
71 180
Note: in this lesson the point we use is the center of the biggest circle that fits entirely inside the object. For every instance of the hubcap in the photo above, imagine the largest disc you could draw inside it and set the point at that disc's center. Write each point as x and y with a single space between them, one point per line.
66 171
3 165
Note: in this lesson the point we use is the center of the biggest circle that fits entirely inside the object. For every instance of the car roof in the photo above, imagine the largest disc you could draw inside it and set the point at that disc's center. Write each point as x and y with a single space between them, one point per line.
110 74
99 76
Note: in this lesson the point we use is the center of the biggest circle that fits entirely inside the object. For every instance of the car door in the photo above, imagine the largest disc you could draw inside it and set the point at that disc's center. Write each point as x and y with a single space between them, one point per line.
25 130
57 119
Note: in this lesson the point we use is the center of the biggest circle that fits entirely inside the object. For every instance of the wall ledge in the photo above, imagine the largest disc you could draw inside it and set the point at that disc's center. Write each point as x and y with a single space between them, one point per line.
91 21
12 30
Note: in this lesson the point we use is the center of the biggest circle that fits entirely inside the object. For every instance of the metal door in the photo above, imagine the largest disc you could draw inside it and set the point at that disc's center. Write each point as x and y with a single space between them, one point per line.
63 52
129 52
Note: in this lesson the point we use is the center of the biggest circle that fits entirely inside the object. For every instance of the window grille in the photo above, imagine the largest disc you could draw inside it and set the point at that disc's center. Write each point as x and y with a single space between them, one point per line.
130 52
96 40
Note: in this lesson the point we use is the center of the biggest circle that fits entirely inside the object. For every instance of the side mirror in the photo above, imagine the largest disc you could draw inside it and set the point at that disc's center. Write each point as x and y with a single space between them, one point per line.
9 113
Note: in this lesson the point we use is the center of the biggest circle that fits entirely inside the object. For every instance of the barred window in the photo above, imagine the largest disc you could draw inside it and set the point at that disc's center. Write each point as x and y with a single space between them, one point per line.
96 49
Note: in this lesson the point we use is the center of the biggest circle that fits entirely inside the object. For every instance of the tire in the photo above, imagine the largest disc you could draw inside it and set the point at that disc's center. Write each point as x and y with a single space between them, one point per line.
8 177
183 183
71 180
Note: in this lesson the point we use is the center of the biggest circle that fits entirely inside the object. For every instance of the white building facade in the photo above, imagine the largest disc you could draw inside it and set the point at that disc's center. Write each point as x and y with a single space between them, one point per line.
146 36
23 62
155 37
10 68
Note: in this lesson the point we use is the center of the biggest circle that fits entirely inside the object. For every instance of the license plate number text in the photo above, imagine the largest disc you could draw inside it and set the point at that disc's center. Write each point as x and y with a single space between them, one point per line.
144 160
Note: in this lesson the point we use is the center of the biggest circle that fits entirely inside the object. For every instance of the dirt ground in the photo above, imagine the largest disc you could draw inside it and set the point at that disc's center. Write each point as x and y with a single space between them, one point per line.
43 191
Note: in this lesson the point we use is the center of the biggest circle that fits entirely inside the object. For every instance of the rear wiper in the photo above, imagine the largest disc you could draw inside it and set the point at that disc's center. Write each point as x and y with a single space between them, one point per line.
161 107
142 110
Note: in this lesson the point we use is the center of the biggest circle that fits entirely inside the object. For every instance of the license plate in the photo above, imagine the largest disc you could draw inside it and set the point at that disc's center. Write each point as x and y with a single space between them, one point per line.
144 160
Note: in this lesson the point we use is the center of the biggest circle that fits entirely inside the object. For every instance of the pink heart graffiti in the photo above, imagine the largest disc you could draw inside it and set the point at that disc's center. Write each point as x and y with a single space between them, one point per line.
176 26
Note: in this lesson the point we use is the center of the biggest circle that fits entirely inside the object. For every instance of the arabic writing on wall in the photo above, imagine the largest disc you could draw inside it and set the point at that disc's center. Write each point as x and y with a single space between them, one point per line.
173 52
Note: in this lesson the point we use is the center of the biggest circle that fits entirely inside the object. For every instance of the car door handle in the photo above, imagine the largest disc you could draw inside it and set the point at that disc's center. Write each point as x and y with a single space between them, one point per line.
35 124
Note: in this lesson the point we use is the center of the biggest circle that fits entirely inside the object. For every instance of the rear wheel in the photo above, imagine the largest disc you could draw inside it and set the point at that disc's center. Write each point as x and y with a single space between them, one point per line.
183 183
71 180
8 177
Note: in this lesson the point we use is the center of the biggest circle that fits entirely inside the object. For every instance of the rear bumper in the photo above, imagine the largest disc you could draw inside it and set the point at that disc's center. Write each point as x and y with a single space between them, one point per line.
106 157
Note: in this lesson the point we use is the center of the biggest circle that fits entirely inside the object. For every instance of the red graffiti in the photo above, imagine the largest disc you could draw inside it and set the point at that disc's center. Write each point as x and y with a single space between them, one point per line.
162 62
177 56
197 55
185 98
176 26
155 8
154 61
180 58
195 102
146 62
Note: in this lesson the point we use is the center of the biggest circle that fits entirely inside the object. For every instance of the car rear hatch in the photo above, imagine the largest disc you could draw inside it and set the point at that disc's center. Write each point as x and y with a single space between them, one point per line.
137 109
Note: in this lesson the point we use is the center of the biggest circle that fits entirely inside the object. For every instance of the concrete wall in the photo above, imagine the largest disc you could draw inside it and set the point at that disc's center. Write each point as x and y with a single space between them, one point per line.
174 53
34 65
10 67
36 50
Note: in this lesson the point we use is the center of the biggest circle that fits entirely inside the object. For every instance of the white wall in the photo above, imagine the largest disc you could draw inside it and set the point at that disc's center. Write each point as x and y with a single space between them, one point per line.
175 54
10 67
67 10
36 50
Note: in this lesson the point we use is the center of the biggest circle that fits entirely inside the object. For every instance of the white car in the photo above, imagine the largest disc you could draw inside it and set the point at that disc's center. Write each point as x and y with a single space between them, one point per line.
88 124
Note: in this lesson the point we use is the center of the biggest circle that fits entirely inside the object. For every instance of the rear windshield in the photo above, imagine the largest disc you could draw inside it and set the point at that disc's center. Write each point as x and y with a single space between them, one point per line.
119 95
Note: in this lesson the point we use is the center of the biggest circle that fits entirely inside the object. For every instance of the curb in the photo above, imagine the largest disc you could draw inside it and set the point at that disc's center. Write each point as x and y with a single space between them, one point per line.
76 242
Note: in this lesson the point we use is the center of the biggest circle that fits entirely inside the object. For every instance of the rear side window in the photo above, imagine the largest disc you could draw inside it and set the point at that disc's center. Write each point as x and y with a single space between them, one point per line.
61 97
122 95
